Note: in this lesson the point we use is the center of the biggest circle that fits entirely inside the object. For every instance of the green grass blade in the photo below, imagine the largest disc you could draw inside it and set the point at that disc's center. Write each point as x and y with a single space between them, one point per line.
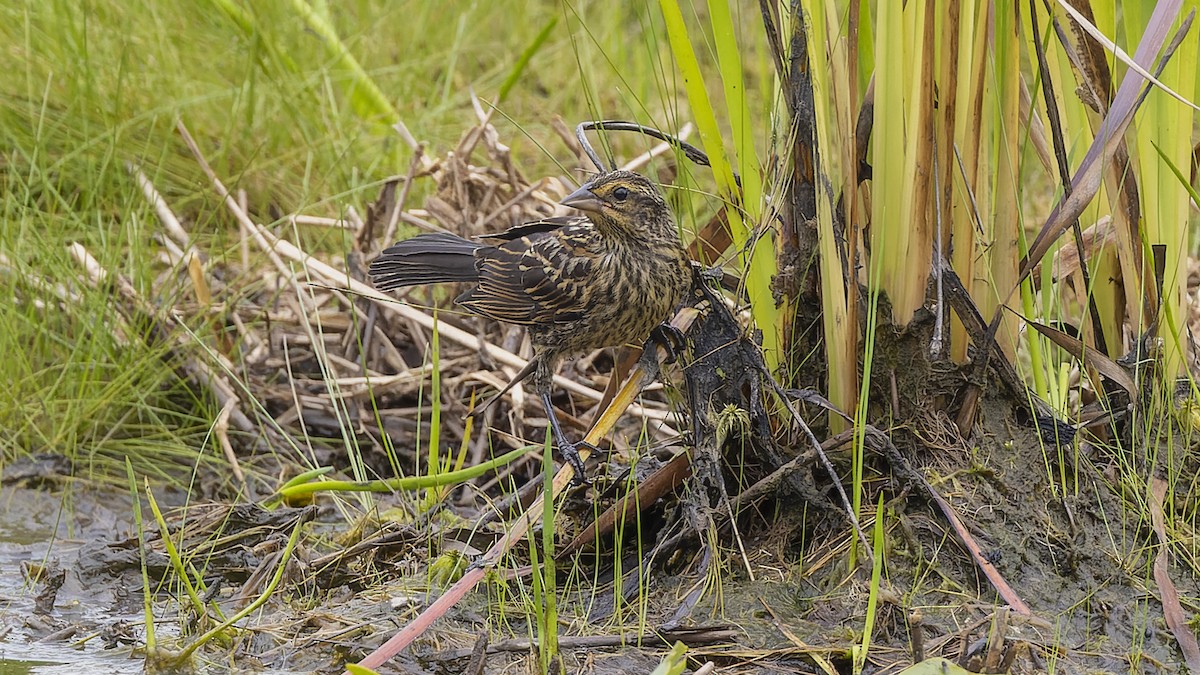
147 596
522 63
246 23
435 394
366 98
177 563
549 642
878 544
729 61
403 484
249 609
758 256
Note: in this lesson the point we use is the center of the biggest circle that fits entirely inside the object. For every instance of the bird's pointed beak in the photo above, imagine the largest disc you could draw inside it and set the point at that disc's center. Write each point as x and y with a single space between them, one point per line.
584 200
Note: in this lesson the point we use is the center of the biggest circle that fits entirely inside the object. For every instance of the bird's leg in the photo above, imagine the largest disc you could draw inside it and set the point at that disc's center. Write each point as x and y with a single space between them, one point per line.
670 338
568 450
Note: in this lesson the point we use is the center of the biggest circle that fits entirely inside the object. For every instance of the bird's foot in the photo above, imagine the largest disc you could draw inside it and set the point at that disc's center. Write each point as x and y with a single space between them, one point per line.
570 454
670 338
710 274
568 450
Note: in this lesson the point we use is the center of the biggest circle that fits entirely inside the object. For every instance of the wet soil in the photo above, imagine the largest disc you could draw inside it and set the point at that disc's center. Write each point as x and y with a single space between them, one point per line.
784 582
785 585
83 627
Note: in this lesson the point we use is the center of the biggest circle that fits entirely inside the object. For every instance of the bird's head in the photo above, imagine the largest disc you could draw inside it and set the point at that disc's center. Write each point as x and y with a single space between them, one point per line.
622 204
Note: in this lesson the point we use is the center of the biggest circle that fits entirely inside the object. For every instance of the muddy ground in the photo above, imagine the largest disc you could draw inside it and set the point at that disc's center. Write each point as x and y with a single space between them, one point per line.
782 587
787 599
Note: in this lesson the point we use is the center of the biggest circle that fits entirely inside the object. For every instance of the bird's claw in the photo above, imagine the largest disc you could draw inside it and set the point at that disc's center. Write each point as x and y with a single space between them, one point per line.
670 338
570 454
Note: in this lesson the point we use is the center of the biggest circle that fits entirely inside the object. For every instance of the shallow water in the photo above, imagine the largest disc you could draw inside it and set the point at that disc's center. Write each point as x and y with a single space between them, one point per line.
47 526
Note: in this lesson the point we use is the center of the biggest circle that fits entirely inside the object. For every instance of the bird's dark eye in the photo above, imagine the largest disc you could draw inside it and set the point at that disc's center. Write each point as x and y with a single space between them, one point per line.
621 194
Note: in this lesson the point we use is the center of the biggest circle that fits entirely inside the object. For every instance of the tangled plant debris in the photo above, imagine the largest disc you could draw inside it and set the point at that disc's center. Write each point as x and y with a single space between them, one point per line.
315 369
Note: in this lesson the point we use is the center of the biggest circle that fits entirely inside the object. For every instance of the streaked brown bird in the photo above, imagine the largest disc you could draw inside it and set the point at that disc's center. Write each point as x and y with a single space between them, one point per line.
609 278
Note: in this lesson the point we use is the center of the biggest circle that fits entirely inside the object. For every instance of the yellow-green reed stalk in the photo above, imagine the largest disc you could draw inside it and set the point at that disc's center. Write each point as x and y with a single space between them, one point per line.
947 25
365 96
1165 123
1006 247
901 227
971 158
1003 253
245 21
886 188
918 187
729 63
835 101
1077 137
745 210
1186 414
1125 267
1057 366
866 46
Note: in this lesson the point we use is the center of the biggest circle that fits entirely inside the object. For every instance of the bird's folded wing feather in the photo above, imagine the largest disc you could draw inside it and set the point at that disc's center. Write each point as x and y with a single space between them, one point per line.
539 278
425 259
533 227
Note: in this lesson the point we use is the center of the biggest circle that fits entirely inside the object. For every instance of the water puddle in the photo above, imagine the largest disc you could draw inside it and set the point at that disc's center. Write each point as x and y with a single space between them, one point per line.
42 527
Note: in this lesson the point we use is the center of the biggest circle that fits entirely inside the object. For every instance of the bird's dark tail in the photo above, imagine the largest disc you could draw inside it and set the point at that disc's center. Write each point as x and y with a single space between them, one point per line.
425 259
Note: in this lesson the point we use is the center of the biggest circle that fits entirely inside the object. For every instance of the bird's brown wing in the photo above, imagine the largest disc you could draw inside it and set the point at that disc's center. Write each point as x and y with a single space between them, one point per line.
539 278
